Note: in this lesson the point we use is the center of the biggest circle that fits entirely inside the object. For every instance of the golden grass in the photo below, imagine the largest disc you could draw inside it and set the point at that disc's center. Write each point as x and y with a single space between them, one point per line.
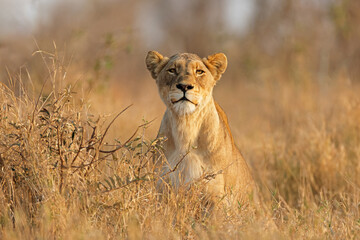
68 172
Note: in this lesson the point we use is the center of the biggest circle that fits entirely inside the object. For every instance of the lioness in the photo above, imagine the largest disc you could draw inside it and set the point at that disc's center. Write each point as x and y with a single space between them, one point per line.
199 142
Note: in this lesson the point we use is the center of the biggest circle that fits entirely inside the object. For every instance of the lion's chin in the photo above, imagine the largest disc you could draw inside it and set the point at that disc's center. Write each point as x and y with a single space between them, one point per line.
184 107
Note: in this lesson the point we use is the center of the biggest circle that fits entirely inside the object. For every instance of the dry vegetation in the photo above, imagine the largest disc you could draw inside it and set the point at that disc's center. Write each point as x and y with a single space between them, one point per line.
76 163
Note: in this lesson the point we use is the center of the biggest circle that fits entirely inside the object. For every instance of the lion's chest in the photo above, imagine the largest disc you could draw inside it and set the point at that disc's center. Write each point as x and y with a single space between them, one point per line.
185 158
184 168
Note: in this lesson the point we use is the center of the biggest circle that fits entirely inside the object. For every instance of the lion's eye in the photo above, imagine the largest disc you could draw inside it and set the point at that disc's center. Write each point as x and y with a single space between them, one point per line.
172 70
200 72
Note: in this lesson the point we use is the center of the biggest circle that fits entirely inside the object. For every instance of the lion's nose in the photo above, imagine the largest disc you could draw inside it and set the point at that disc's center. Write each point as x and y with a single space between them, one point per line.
184 87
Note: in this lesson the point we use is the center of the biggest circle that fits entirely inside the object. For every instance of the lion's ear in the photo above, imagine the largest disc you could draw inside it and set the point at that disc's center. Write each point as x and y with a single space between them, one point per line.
155 63
217 64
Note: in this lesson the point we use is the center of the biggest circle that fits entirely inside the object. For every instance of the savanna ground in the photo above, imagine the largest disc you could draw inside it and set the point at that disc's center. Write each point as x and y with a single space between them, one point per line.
76 161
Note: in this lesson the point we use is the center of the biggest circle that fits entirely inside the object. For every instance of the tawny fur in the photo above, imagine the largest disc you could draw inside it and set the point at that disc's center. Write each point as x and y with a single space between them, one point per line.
199 142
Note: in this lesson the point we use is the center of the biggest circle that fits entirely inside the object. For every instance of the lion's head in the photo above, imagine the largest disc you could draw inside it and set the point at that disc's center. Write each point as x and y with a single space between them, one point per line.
185 81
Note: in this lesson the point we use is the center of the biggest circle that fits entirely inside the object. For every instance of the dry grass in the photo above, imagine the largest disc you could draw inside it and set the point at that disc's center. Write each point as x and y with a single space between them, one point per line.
68 171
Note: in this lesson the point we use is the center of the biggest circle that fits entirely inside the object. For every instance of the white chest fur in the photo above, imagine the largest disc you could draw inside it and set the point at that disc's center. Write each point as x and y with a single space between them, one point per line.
186 160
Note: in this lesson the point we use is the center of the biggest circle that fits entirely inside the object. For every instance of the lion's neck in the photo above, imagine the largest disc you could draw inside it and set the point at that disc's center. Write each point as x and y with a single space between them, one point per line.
186 129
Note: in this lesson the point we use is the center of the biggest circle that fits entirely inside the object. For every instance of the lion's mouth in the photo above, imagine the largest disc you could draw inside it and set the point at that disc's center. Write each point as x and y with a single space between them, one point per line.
183 99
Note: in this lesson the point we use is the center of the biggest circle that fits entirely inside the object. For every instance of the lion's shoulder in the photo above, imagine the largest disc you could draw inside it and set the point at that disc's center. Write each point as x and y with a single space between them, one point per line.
224 120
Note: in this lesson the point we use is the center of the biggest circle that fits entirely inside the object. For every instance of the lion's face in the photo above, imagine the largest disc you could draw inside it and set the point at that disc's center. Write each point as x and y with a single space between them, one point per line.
185 84
185 81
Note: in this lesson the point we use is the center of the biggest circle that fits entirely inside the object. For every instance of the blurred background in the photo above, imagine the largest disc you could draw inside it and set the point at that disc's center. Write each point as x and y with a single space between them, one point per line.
287 58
